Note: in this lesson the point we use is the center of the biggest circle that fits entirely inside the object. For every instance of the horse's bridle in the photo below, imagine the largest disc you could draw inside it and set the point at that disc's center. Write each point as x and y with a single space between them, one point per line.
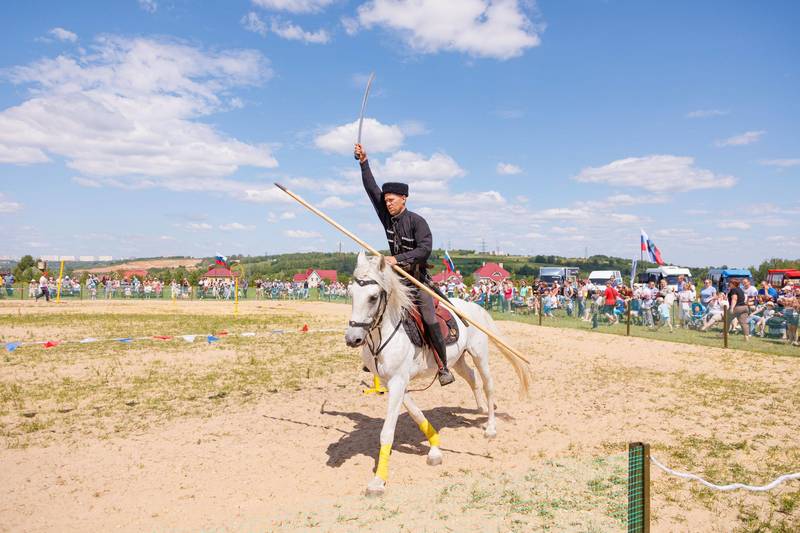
376 321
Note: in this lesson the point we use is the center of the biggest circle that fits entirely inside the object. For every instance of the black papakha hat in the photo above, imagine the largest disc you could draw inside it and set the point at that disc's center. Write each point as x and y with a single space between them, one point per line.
395 188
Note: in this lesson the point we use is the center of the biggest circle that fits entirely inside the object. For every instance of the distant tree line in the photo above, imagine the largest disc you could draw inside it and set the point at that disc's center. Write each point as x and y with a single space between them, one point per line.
284 266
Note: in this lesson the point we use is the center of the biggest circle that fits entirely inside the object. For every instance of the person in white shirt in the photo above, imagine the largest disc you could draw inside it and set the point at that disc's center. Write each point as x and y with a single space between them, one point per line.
714 313
685 299
44 289
750 292
649 295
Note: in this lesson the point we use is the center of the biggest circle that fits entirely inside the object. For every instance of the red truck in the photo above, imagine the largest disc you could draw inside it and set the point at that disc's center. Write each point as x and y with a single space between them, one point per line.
778 277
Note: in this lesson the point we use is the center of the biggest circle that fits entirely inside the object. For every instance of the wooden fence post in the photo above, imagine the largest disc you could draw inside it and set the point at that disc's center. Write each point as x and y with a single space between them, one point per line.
541 308
725 326
628 326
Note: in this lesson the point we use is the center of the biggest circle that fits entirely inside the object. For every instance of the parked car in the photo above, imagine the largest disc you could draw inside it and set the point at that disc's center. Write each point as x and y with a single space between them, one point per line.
670 273
598 279
721 277
551 275
778 277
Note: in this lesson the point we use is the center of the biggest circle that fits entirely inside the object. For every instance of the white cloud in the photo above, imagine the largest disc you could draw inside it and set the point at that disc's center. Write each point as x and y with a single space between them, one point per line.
63 35
293 32
625 218
483 28
335 202
294 6
86 182
748 137
236 226
706 113
414 127
258 195
508 169
7 205
285 215
350 25
423 173
376 137
733 224
127 114
330 186
148 5
627 199
656 173
781 163
166 238
195 226
252 22
302 234
21 155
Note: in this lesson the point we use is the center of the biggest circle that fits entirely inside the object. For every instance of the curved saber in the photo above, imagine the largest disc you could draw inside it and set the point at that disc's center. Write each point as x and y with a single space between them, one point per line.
364 108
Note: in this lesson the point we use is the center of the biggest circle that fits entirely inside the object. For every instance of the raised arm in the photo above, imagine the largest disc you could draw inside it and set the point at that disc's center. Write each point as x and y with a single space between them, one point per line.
373 191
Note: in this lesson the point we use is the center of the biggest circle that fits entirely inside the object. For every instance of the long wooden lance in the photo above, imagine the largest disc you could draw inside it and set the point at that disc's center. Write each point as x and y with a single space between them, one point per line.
402 272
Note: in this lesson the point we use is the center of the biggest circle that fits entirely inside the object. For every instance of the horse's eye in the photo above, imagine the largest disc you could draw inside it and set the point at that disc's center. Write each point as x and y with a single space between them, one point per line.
373 299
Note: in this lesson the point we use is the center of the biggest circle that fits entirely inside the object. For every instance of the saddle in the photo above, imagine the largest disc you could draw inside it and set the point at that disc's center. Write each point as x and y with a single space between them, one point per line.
415 328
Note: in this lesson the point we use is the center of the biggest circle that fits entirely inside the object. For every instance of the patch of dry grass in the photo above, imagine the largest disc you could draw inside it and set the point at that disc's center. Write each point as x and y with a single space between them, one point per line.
106 389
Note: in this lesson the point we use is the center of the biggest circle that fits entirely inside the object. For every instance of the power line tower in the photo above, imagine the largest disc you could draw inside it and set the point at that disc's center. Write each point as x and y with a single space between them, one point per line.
483 246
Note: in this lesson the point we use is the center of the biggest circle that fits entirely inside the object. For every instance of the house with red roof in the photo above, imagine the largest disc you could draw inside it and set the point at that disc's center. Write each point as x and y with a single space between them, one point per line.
314 277
220 272
139 273
491 271
446 277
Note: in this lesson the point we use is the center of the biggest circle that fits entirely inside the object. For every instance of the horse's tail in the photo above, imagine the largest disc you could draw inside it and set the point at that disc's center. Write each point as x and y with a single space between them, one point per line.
521 368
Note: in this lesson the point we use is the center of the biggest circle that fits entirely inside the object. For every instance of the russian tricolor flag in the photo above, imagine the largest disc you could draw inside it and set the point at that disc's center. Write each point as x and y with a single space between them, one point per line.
653 253
448 263
222 260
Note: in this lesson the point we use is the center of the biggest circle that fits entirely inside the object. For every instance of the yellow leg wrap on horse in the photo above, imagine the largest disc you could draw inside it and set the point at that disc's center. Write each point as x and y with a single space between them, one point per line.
430 432
383 462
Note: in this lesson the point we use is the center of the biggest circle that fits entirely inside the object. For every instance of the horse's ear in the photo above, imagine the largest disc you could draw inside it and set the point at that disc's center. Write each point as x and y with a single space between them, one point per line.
362 259
382 263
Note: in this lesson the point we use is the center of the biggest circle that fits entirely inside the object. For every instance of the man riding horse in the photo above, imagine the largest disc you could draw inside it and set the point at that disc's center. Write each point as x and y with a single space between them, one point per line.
410 243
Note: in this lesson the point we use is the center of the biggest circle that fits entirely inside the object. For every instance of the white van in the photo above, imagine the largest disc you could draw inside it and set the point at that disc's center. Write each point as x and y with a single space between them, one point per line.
598 279
670 273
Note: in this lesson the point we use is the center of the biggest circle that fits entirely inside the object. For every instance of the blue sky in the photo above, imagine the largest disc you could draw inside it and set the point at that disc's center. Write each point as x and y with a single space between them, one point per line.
141 128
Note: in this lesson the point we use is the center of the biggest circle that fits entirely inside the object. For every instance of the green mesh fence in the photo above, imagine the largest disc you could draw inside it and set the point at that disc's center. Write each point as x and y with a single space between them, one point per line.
638 488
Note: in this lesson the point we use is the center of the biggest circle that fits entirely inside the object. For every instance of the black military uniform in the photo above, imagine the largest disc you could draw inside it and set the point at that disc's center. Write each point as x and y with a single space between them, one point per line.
410 242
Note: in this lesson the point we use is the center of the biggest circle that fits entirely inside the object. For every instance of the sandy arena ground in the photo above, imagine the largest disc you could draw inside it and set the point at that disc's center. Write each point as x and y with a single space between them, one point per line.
265 457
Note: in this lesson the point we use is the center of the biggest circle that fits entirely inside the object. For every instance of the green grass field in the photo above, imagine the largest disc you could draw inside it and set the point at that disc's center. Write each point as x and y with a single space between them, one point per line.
712 338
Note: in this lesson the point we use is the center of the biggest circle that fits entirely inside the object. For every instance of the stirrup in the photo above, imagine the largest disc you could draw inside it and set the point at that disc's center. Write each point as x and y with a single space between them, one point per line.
376 388
445 377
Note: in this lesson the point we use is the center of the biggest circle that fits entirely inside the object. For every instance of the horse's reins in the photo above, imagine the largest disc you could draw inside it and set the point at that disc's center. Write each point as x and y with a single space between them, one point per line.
376 323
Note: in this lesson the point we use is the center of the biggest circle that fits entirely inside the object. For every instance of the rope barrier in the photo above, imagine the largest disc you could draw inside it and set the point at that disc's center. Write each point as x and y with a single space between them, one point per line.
188 337
732 486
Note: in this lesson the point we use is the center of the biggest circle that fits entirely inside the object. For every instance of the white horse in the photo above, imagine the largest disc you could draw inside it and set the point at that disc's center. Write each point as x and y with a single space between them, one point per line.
380 301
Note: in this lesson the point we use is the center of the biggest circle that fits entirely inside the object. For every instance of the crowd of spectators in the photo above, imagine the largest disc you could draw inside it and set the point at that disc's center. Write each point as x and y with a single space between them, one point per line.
751 310
296 290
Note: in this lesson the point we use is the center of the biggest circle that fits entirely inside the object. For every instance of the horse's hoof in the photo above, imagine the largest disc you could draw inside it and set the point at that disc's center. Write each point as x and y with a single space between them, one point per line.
376 488
434 457
490 433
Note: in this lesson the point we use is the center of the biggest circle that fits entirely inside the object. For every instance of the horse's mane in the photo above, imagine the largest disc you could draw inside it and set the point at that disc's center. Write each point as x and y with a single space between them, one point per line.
400 295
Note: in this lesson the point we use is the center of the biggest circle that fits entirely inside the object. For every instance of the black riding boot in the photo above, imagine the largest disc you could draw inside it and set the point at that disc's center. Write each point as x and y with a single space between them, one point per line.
435 336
